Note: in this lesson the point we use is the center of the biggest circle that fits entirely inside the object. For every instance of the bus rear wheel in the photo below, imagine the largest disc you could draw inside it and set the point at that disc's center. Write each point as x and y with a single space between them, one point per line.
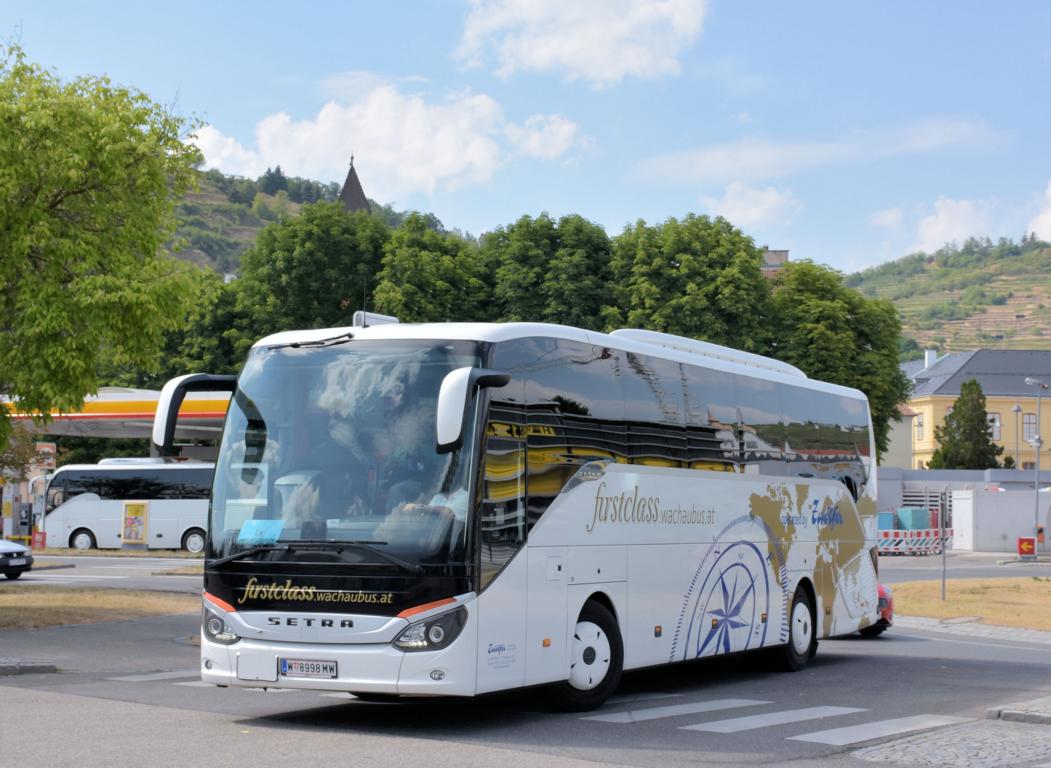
596 661
82 538
802 632
193 541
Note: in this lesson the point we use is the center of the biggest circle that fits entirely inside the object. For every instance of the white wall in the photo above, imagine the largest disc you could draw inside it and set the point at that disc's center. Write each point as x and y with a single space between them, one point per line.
992 521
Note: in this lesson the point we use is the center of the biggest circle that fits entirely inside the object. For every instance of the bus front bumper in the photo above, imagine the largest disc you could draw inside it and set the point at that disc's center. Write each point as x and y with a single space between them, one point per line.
366 667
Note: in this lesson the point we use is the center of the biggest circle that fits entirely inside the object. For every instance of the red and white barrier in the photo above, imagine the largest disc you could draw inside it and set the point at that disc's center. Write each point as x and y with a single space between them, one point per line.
922 542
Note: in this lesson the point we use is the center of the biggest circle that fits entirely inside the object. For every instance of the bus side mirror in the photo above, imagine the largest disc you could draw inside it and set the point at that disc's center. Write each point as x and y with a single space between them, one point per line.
456 391
171 399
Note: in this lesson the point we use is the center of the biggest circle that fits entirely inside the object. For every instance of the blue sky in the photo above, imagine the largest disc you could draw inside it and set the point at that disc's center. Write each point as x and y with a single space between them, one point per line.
849 134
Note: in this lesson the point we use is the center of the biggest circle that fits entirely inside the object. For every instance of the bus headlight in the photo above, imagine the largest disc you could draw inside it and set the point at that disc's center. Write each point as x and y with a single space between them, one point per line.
433 634
217 630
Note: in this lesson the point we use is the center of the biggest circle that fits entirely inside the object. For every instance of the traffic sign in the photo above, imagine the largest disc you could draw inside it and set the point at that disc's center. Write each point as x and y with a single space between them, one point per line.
1027 547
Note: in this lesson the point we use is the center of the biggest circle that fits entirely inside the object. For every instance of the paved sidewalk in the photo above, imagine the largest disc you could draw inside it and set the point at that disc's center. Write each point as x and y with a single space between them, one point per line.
974 629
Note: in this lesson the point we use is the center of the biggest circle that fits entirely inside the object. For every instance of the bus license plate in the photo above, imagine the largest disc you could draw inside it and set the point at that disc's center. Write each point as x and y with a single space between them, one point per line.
307 668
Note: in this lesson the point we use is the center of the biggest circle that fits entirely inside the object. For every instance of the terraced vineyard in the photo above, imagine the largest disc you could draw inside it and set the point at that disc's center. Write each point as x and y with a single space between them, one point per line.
980 295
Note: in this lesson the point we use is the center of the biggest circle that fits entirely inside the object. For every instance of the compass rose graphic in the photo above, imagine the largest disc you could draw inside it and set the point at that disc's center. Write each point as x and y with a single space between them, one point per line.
727 607
737 588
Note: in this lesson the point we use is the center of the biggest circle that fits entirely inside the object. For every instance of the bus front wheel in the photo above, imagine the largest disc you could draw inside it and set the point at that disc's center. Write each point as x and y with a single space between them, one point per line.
596 661
82 538
193 541
802 639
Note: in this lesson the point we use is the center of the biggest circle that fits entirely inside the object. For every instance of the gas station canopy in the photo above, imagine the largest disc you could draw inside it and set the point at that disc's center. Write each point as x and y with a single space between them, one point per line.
124 412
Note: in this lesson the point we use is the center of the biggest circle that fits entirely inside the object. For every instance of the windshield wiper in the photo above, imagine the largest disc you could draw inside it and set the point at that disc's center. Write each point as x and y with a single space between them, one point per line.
291 545
368 546
249 552
332 341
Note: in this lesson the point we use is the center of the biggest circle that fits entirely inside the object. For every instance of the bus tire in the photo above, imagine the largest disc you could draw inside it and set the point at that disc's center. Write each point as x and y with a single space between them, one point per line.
193 541
596 661
82 538
802 638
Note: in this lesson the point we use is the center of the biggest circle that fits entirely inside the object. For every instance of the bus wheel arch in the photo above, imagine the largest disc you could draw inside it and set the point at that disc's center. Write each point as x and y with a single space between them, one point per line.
596 658
82 538
193 541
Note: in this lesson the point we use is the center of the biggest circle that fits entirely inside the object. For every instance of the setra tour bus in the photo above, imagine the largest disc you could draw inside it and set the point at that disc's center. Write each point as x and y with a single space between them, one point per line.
84 503
404 510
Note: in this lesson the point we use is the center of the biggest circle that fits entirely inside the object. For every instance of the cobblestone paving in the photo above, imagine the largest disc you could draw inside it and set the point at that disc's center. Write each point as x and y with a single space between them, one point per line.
982 744
974 629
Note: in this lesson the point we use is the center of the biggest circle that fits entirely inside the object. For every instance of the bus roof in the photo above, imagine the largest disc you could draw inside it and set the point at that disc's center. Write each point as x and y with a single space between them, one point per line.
667 346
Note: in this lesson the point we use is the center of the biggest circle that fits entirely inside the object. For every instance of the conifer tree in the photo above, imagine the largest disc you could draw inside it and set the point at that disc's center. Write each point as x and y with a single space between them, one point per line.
965 441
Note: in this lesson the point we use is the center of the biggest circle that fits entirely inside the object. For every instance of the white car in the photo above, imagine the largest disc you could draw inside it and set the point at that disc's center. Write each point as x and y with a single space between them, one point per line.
15 559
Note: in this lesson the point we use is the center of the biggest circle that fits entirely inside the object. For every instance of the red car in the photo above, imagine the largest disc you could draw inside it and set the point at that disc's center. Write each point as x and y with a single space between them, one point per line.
886 613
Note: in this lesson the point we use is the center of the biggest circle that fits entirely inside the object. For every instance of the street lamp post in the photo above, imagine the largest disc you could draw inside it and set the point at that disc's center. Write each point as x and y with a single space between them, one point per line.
1018 459
1037 442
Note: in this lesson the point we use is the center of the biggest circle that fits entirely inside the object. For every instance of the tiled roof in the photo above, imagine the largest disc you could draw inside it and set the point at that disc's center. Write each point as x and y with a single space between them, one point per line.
1000 372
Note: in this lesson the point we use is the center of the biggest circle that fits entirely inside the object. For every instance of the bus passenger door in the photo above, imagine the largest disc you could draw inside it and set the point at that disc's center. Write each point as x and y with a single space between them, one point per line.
504 573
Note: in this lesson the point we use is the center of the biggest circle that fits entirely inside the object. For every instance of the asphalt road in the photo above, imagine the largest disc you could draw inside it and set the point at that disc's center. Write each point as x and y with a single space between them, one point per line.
894 569
128 695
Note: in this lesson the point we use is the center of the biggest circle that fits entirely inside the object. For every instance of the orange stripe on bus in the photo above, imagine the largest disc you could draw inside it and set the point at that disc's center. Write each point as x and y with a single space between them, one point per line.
425 607
221 603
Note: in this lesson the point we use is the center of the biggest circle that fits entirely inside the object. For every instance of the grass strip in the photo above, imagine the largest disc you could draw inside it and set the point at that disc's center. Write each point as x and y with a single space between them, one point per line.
1016 602
30 607
66 552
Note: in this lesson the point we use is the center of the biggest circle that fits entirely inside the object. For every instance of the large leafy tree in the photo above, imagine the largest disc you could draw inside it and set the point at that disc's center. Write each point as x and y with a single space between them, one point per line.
549 271
308 271
695 277
89 172
964 440
835 334
431 276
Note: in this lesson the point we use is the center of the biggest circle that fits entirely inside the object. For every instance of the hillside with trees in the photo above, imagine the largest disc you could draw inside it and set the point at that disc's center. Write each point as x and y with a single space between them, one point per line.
978 294
222 217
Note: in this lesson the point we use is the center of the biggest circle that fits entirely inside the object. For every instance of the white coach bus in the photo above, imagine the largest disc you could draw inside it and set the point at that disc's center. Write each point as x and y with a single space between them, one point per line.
465 508
84 504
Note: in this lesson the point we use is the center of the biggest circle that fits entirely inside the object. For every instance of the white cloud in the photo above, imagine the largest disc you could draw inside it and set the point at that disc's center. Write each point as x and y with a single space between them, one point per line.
1041 223
746 206
952 222
889 218
751 159
545 136
357 83
404 143
598 41
745 159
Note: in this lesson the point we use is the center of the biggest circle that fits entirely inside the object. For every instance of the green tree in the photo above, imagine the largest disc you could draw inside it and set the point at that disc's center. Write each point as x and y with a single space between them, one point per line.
431 276
548 271
272 181
835 334
698 277
89 173
18 454
964 440
308 271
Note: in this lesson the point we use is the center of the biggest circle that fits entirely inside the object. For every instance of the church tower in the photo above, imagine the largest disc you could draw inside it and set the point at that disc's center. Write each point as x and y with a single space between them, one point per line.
352 195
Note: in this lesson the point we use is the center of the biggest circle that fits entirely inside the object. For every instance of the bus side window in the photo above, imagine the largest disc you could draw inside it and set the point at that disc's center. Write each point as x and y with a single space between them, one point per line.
503 509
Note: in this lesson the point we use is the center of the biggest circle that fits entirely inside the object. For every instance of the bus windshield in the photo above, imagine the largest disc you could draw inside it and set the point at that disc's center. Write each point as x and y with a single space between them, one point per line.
336 444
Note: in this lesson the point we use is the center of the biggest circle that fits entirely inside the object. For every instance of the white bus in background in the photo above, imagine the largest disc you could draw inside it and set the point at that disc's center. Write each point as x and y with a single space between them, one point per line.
84 504
464 508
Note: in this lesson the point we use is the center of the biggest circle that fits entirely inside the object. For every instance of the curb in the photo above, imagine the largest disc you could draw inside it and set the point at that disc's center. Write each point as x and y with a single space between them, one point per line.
9 667
1036 712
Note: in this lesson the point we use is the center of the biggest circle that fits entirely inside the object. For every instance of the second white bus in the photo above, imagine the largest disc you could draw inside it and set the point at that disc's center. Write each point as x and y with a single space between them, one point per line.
84 504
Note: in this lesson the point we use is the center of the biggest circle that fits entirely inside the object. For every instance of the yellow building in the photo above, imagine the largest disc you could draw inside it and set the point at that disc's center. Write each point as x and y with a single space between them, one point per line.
1011 403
